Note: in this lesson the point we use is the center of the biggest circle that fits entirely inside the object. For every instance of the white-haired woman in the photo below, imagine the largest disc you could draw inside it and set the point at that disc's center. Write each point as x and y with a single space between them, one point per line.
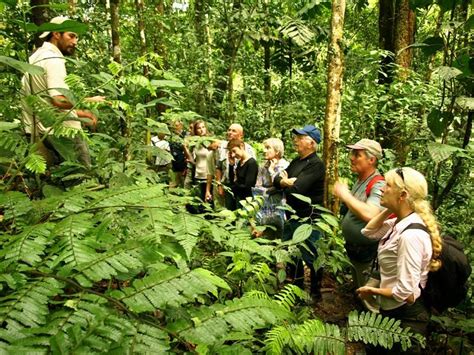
405 255
273 150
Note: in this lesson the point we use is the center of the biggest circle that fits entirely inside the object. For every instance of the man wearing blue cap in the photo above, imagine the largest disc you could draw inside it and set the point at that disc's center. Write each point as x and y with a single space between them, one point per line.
304 176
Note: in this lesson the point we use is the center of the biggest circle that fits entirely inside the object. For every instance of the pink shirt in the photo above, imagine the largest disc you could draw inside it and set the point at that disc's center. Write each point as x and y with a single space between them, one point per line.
403 259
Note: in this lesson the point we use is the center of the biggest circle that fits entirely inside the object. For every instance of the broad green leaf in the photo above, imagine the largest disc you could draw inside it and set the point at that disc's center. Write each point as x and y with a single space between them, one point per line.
66 26
440 152
466 103
447 73
469 25
438 121
432 45
7 126
303 198
330 219
21 66
173 84
302 233
11 3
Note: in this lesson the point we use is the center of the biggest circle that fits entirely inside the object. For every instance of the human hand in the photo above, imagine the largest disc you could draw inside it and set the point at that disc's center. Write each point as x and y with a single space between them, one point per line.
208 196
365 291
92 120
220 190
340 189
95 99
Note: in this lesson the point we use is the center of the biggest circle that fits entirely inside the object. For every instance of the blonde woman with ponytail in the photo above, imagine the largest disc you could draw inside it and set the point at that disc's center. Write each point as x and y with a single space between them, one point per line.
405 256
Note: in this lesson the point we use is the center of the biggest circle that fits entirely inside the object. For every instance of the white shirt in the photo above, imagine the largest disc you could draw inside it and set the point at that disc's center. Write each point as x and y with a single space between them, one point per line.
50 58
161 160
403 258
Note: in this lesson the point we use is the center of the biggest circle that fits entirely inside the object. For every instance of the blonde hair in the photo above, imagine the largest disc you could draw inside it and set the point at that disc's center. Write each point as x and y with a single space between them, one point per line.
277 146
414 183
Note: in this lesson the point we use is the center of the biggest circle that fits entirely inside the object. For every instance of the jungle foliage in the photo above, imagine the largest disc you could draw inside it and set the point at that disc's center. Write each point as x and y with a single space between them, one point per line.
116 264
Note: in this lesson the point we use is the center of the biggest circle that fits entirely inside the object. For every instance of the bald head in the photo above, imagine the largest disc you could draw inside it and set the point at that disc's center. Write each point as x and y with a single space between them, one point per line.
235 131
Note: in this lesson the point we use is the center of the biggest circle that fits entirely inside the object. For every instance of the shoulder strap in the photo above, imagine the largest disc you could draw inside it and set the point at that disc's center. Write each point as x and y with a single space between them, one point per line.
416 226
372 182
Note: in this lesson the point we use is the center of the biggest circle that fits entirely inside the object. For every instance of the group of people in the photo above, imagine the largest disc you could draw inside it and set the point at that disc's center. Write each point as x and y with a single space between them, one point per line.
376 215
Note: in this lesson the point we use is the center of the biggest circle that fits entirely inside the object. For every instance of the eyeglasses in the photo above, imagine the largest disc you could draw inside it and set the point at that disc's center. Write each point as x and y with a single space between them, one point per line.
399 171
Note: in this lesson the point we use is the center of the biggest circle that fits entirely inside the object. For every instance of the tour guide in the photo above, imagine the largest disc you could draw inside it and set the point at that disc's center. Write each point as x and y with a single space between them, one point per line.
304 176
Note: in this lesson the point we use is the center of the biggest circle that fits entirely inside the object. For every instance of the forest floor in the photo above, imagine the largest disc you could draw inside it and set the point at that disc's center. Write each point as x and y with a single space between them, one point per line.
338 300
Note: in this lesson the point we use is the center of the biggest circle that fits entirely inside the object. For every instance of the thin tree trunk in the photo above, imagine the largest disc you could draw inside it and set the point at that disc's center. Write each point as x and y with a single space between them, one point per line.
141 30
267 79
332 118
114 19
404 37
386 42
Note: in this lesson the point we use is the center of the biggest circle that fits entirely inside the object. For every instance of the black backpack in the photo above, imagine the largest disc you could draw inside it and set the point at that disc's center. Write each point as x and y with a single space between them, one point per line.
446 287
179 158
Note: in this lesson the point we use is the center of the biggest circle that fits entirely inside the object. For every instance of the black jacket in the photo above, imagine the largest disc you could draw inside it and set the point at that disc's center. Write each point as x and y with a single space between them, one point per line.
309 173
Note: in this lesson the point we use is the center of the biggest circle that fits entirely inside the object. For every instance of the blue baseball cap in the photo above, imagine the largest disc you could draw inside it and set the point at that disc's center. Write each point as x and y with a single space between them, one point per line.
309 131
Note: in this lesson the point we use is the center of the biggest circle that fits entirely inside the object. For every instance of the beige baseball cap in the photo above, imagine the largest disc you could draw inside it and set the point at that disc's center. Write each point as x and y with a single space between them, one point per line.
369 145
55 20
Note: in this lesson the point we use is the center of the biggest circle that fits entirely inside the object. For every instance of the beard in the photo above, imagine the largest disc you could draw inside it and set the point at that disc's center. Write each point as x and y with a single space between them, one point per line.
68 51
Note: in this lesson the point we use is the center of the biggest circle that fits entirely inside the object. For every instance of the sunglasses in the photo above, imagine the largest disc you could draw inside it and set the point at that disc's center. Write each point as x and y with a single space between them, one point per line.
399 171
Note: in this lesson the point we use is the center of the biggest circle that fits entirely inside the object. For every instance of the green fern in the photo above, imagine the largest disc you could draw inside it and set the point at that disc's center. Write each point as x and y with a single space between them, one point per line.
186 229
169 286
212 324
16 207
122 260
27 306
35 163
313 336
28 246
378 330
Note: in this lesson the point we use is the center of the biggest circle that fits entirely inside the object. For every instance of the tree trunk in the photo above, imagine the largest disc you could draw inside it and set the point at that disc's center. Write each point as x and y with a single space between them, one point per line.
386 42
404 37
267 79
332 118
141 30
201 28
39 15
114 19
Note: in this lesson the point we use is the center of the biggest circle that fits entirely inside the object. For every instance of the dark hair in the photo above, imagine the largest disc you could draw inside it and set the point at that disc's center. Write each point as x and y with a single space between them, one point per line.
235 143
48 37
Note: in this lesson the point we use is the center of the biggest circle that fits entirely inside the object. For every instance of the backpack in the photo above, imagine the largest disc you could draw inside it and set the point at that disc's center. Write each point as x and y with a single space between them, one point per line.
179 159
372 182
447 287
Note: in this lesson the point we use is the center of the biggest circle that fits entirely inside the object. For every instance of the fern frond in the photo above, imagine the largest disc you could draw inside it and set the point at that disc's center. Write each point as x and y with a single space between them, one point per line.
152 196
169 286
72 248
277 339
186 229
28 246
375 329
289 294
86 323
27 306
211 324
16 206
123 259
35 163
314 336
13 142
